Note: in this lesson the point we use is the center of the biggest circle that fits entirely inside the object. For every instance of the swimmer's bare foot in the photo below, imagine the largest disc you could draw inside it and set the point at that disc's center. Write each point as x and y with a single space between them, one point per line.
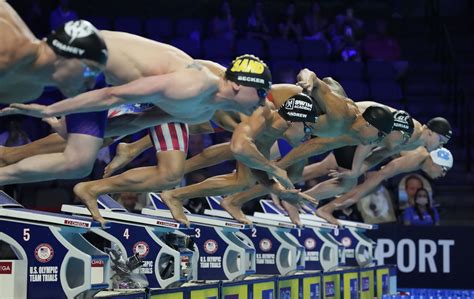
122 158
235 210
326 211
175 206
293 212
83 191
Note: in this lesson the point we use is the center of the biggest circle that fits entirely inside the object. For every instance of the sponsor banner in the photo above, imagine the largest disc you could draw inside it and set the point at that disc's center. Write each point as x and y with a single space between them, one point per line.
427 256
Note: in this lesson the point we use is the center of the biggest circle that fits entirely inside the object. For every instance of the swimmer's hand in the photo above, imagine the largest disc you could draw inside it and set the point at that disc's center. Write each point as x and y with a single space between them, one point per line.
295 196
58 125
306 79
343 174
8 111
290 195
282 177
34 110
300 198
279 191
291 208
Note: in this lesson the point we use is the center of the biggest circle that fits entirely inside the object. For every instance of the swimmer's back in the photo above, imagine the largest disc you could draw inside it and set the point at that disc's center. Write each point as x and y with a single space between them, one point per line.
132 57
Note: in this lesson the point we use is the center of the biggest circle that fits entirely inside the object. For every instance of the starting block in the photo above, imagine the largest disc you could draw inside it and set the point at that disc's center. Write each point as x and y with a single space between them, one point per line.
323 252
278 251
158 242
220 254
44 255
358 248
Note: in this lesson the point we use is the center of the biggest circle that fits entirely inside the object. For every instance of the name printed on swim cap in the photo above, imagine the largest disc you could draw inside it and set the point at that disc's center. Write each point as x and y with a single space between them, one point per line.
251 79
399 125
296 114
68 48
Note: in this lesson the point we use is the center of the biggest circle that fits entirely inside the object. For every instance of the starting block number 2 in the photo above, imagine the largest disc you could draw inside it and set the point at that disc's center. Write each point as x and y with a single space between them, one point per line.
254 232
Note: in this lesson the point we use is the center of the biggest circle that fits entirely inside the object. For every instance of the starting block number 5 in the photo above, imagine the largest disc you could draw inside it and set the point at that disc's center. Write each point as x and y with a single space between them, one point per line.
26 234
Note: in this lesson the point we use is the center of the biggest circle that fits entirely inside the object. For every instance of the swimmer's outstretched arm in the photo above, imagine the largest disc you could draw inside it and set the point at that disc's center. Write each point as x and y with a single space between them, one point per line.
377 156
312 147
154 89
361 153
408 163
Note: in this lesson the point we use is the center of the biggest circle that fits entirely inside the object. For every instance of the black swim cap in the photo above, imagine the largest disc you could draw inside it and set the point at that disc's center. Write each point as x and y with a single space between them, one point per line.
299 108
249 70
379 117
78 39
402 121
441 126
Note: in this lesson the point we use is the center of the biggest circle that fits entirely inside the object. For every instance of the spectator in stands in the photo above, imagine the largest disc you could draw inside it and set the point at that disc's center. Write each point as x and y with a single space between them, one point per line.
257 26
61 15
315 24
422 213
222 24
14 134
345 34
350 47
412 184
289 25
380 45
353 22
344 43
